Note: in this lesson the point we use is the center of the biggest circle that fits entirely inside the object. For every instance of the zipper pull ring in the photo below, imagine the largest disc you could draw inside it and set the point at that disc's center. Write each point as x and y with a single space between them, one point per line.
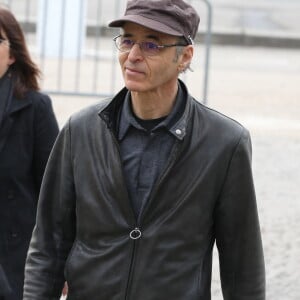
135 234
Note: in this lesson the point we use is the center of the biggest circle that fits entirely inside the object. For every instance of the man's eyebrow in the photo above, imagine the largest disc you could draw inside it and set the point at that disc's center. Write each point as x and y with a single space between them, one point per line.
148 36
153 37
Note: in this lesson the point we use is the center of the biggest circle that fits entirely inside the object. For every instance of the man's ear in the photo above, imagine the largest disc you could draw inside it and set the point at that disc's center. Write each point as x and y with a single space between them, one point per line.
185 58
187 55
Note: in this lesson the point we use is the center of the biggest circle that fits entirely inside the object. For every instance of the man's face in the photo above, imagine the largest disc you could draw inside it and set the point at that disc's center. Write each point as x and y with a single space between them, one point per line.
144 73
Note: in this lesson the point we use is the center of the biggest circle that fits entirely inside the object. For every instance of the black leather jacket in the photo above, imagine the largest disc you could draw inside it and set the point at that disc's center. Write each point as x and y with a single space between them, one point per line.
87 234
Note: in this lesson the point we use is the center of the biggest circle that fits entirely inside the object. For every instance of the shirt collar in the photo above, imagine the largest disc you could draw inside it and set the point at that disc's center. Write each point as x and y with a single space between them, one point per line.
126 118
172 123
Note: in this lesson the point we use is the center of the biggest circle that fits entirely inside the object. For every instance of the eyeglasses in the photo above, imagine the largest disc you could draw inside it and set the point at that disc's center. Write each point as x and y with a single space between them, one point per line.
148 48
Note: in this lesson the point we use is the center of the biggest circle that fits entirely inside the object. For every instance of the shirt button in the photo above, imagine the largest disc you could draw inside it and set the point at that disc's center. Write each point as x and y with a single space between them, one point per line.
178 132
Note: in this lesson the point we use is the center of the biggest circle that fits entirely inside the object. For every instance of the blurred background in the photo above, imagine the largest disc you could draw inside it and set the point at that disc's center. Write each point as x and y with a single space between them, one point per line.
246 65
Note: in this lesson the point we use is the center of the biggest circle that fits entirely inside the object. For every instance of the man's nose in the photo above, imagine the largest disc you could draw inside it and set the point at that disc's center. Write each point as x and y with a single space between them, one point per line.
135 52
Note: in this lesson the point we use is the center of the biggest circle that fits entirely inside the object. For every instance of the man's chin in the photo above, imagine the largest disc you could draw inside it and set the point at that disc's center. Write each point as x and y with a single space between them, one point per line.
134 87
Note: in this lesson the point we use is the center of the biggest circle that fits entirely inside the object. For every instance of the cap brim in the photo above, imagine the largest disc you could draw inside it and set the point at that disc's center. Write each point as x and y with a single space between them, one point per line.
149 23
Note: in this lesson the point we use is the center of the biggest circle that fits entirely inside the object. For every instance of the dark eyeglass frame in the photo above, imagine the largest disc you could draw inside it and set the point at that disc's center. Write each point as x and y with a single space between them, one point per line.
151 51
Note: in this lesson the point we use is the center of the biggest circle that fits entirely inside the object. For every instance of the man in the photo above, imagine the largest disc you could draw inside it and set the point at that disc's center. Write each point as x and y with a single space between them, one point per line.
139 187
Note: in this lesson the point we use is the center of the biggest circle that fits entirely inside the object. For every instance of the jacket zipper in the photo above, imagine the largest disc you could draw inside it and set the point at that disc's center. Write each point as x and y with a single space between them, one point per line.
140 218
131 267
136 233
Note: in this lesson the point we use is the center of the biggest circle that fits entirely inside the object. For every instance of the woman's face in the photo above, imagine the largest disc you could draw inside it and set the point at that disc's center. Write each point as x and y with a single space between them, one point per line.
5 57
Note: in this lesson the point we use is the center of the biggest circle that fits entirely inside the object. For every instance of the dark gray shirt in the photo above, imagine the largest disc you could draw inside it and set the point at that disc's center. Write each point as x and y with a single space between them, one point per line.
145 152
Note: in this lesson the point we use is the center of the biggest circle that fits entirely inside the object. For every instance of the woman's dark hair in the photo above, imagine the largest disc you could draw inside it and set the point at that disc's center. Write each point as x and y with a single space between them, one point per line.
24 71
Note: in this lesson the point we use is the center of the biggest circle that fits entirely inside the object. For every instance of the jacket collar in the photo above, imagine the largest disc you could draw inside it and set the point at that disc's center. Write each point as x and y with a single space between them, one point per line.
110 113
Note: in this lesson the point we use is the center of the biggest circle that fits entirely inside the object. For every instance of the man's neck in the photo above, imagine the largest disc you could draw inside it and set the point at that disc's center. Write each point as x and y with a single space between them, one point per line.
153 105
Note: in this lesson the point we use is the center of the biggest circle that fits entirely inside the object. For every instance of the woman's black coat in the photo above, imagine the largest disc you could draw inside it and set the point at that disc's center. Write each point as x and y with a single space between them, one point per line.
5 290
27 134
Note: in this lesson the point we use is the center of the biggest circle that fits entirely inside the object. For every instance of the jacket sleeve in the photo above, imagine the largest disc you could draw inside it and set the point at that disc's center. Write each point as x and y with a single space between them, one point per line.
45 133
54 232
237 229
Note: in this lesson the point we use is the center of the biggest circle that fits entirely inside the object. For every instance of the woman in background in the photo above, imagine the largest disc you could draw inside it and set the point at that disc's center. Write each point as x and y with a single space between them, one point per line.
5 290
28 129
